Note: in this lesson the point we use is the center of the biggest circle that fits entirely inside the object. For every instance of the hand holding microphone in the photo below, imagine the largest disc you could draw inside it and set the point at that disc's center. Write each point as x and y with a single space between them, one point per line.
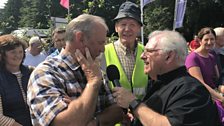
114 76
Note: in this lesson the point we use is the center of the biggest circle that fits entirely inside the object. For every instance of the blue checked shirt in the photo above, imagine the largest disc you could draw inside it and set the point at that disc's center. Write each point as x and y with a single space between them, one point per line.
52 80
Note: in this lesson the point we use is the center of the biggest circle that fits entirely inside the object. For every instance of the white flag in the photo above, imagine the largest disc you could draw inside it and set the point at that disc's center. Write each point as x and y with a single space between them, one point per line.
147 2
179 13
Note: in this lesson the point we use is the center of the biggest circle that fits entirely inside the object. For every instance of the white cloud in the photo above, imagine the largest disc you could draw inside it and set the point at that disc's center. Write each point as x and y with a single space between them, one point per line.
2 3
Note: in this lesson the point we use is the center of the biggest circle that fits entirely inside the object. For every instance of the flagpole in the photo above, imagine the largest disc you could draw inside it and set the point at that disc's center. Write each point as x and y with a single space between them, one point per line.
175 15
142 30
68 10
66 4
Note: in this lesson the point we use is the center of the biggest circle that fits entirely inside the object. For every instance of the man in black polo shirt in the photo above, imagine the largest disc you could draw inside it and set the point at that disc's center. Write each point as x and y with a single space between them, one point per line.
175 98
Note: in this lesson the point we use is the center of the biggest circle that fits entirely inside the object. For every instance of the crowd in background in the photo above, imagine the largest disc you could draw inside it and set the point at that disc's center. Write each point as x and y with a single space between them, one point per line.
43 87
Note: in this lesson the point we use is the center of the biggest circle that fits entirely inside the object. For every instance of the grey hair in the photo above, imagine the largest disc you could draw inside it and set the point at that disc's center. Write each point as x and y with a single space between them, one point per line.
85 23
172 41
219 31
154 33
36 39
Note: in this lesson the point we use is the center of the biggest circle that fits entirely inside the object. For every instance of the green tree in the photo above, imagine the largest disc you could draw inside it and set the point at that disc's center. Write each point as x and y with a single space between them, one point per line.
107 9
159 18
10 16
56 10
35 14
158 15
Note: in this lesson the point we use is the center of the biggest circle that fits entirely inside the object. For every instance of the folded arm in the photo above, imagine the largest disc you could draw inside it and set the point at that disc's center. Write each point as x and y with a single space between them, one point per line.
79 111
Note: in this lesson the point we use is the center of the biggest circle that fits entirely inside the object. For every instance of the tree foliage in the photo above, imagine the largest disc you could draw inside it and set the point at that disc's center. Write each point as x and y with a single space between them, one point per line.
35 14
10 16
158 15
199 13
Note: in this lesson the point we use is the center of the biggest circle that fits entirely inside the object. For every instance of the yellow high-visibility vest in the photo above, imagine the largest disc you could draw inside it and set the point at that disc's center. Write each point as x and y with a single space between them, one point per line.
139 79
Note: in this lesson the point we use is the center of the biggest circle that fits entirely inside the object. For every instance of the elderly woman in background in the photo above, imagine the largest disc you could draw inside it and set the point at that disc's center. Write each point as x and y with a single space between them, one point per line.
13 83
202 64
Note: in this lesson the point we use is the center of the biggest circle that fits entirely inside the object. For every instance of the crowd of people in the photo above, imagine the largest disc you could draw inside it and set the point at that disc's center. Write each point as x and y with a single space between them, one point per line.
161 83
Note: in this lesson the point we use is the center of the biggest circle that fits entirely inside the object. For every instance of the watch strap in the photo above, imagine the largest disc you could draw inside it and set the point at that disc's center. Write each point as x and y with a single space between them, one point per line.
134 104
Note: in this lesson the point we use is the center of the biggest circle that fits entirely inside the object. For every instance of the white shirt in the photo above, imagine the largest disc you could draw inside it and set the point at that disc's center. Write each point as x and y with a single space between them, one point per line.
31 60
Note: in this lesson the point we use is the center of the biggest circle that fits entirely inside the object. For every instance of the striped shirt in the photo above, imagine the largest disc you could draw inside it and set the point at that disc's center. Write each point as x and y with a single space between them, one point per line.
53 79
4 120
19 79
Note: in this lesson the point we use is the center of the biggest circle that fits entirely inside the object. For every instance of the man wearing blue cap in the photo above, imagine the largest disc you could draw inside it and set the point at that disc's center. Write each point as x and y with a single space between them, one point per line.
125 52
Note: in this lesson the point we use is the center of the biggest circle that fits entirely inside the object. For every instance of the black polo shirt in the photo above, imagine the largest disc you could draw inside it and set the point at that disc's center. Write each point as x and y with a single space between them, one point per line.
182 99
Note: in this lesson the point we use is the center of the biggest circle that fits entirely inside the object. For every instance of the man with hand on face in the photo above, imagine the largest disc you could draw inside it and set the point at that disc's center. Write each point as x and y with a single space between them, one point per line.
176 98
69 89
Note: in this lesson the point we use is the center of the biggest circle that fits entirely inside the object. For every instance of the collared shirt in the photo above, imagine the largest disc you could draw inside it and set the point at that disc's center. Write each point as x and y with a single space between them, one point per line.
53 79
182 99
53 54
127 58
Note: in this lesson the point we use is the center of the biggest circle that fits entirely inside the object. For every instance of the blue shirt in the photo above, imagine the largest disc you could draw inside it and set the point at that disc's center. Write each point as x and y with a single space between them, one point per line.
53 54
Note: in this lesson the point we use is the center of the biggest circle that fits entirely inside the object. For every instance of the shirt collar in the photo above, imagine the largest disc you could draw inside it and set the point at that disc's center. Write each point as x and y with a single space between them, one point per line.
125 50
68 59
164 80
168 77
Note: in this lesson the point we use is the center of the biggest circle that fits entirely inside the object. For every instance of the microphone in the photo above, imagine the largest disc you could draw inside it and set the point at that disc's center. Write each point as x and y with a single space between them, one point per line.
113 75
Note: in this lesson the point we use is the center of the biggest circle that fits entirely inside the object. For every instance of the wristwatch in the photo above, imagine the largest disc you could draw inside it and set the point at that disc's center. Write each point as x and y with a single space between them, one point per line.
134 104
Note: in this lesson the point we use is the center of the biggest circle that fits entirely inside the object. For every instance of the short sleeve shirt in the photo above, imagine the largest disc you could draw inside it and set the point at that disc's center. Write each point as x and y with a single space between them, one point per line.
206 65
53 79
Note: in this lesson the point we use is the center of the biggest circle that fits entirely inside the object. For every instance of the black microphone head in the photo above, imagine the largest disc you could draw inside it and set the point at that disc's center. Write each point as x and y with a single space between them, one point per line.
113 73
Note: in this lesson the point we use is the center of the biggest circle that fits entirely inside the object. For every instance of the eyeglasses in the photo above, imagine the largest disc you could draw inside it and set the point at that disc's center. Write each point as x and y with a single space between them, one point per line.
150 51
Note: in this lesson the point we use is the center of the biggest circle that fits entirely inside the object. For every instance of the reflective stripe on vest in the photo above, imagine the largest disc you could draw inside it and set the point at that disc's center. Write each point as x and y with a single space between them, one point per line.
139 92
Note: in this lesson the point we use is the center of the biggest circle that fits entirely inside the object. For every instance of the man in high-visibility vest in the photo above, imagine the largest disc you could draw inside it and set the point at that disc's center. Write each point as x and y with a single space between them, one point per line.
125 52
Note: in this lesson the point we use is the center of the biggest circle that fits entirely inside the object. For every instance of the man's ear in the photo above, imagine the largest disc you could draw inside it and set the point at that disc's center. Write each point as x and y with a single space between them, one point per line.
116 30
167 57
79 36
170 56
